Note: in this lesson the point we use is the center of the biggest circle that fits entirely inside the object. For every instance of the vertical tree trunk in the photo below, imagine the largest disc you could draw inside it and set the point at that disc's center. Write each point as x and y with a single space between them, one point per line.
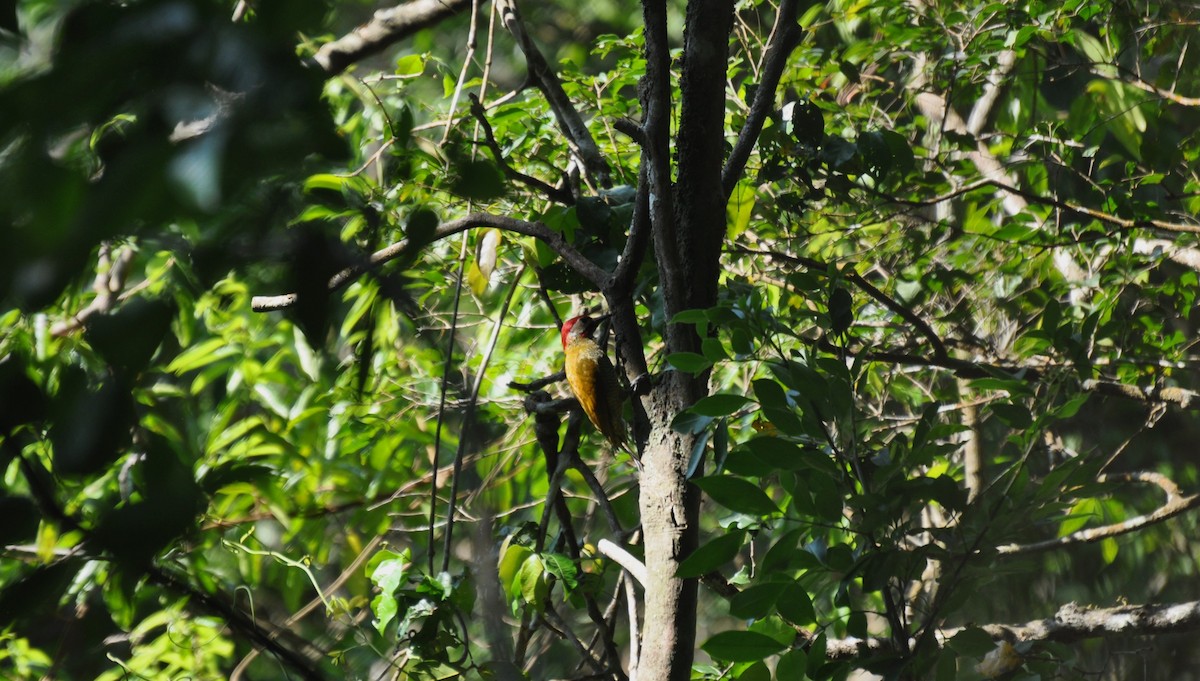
688 229
670 509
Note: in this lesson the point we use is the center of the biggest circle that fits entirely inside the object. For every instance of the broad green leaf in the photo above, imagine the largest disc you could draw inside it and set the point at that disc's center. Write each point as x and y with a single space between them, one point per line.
410 65
721 404
791 665
756 601
201 355
708 557
741 646
689 362
737 494
795 606
563 568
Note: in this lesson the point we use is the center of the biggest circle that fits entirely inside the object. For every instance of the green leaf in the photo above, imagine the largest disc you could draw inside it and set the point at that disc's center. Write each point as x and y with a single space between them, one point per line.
971 642
712 555
713 350
756 601
779 556
1108 550
688 421
202 354
796 606
690 317
532 579
563 568
755 671
777 452
737 494
1014 416
741 646
721 404
387 571
791 665
689 362
410 65
770 393
478 180
511 561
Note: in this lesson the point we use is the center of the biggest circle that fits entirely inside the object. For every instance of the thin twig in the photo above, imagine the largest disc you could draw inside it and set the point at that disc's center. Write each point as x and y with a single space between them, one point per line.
1175 504
555 241
787 34
469 414
578 137
625 559
556 194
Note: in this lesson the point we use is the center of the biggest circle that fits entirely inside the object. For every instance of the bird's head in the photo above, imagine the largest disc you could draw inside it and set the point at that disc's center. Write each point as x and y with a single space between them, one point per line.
577 327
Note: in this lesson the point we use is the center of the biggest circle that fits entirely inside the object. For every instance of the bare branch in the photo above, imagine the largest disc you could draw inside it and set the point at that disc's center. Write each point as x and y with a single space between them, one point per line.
623 558
1070 623
1132 80
1174 505
555 241
388 26
991 91
818 267
109 281
1181 397
656 126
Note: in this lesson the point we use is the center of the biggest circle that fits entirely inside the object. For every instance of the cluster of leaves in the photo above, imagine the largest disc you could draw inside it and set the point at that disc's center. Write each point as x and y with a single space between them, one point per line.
175 451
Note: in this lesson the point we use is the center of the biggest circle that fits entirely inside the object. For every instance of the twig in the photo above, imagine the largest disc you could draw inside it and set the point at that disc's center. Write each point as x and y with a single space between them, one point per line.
246 625
1181 397
625 559
579 138
1071 623
1174 505
656 128
462 74
818 267
787 34
441 413
557 194
469 414
1140 84
109 281
386 27
555 241
351 570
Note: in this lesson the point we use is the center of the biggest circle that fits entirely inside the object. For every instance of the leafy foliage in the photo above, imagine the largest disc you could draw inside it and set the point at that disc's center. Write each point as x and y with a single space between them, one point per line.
954 320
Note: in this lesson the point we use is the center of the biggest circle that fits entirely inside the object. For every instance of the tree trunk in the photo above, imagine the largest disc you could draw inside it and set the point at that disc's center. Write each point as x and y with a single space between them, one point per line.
688 225
670 509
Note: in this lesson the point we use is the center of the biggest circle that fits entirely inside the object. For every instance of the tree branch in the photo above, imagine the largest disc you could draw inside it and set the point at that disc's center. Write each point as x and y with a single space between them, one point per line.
110 280
1174 505
787 34
656 126
625 559
699 144
991 91
1071 623
555 241
579 138
386 27
818 267
556 194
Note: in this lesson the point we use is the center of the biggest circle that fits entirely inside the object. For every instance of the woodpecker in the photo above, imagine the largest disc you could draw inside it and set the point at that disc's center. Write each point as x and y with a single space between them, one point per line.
593 379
